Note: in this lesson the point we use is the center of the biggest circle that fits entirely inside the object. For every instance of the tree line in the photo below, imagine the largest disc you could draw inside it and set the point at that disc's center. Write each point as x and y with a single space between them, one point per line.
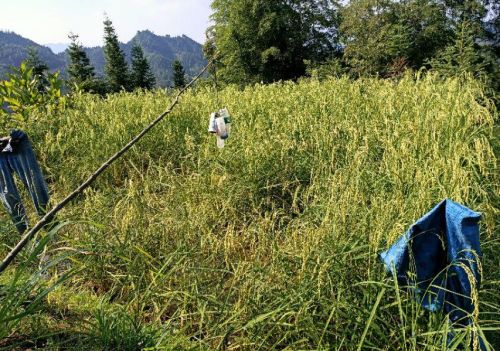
266 41
118 75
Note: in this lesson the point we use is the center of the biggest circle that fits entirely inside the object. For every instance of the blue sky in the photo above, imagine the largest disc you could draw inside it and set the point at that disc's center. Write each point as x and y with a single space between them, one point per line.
49 21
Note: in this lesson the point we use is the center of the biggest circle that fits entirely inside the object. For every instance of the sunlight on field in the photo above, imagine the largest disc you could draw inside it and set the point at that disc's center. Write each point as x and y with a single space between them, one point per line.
272 242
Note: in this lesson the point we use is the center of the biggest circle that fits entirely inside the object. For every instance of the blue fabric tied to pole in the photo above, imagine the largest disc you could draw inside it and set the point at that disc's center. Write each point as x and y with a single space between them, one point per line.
442 252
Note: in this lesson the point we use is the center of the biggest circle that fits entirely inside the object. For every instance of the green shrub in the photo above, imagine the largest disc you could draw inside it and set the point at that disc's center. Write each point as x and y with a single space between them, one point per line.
21 96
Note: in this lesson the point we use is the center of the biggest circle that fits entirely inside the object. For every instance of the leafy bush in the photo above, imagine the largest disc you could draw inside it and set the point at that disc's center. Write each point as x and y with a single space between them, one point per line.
20 96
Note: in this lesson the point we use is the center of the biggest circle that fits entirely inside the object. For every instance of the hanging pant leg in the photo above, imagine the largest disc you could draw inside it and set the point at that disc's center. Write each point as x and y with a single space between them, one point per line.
23 161
10 197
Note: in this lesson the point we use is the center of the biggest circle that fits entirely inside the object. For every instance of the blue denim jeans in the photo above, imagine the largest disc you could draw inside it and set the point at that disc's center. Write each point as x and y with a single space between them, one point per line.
17 156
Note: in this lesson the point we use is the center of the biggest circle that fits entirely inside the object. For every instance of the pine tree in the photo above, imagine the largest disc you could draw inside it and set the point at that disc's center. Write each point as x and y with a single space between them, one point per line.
142 76
462 57
39 69
179 74
80 70
116 67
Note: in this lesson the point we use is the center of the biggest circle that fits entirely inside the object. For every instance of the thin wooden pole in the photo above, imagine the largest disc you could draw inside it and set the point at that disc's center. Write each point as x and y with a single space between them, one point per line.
49 215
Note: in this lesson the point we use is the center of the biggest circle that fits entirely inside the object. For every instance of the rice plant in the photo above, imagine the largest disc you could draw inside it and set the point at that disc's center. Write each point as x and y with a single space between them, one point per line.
271 243
23 292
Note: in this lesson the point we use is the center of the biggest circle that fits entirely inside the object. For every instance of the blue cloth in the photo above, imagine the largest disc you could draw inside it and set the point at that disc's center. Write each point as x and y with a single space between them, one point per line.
442 250
19 158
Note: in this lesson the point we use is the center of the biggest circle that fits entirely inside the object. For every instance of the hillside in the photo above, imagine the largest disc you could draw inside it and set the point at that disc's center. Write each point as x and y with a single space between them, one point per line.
160 50
268 244
13 50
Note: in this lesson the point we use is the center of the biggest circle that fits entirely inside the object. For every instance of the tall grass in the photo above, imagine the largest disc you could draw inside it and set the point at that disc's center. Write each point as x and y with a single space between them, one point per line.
272 242
24 290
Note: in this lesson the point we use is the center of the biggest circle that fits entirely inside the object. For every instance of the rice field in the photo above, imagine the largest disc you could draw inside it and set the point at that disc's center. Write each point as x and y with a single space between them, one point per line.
271 243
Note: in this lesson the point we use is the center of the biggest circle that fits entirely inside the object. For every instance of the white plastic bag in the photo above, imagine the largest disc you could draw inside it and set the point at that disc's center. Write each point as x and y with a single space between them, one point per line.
220 125
212 125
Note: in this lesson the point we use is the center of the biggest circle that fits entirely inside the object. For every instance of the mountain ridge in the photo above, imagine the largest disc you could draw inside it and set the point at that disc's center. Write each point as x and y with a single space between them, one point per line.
161 51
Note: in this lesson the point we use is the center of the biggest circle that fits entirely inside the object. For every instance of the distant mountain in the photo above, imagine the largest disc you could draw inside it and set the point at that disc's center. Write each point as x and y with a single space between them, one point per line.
160 50
163 50
13 50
